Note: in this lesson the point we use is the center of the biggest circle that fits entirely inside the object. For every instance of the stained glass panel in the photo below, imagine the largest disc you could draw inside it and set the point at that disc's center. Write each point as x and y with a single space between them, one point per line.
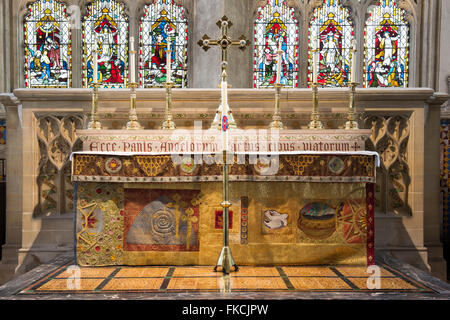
47 45
107 23
163 19
386 49
275 22
331 30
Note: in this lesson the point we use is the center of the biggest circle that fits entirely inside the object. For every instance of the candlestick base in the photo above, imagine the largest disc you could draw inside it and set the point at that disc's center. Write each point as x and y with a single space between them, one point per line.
168 125
351 125
276 124
276 118
315 125
94 125
226 261
133 124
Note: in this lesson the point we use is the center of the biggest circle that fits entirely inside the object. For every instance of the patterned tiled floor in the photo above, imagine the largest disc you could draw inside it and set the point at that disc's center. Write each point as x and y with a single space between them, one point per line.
125 279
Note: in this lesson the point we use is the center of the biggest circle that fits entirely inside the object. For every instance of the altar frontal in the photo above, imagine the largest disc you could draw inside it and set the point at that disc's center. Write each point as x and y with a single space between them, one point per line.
147 210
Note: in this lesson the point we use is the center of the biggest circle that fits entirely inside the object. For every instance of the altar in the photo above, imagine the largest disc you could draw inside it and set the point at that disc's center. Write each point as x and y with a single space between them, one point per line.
158 208
274 196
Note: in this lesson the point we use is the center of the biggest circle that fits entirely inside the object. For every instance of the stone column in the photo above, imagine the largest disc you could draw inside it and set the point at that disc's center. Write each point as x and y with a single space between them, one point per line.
14 189
4 50
428 44
432 211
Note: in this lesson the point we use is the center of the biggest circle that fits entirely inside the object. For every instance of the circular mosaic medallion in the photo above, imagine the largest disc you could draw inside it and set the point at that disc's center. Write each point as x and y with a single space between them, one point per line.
263 167
187 165
113 165
336 165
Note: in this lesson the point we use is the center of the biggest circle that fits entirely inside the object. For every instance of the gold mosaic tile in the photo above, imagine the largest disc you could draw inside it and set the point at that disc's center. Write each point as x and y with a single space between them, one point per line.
256 271
362 272
70 284
385 284
86 272
127 272
253 283
212 283
196 272
318 283
134 284
308 271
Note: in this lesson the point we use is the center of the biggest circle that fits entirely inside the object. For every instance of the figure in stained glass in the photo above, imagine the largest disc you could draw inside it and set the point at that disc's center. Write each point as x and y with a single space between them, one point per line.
47 45
331 32
163 22
107 24
386 46
275 24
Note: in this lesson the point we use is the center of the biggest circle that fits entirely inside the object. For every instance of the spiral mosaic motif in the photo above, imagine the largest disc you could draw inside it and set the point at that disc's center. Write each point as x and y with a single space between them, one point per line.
163 223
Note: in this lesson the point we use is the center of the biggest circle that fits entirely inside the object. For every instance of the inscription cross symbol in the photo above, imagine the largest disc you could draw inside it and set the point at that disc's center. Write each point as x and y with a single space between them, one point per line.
224 42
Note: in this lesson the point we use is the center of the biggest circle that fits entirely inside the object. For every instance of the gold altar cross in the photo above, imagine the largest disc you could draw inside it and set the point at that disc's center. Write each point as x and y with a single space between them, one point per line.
224 42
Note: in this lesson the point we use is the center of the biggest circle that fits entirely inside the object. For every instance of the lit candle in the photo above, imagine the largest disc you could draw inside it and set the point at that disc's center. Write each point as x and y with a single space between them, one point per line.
279 63
94 61
353 61
168 59
132 61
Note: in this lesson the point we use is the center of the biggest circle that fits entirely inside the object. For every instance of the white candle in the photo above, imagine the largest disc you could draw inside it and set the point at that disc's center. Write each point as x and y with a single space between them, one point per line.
315 66
279 63
224 91
168 59
132 61
94 61
224 86
353 61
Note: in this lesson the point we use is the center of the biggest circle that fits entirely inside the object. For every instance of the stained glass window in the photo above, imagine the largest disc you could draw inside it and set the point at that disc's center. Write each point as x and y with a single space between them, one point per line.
163 20
107 23
275 23
47 45
331 32
386 49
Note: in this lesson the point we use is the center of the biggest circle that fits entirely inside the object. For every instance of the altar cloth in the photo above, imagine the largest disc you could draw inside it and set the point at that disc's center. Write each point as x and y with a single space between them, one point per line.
298 208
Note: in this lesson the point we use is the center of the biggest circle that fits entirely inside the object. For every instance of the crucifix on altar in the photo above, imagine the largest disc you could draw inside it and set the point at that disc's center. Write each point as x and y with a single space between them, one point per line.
224 42
224 120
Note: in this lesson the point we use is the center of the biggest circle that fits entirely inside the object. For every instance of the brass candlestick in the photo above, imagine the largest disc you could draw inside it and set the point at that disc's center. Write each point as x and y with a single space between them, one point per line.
132 123
168 123
315 122
94 124
276 118
351 123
